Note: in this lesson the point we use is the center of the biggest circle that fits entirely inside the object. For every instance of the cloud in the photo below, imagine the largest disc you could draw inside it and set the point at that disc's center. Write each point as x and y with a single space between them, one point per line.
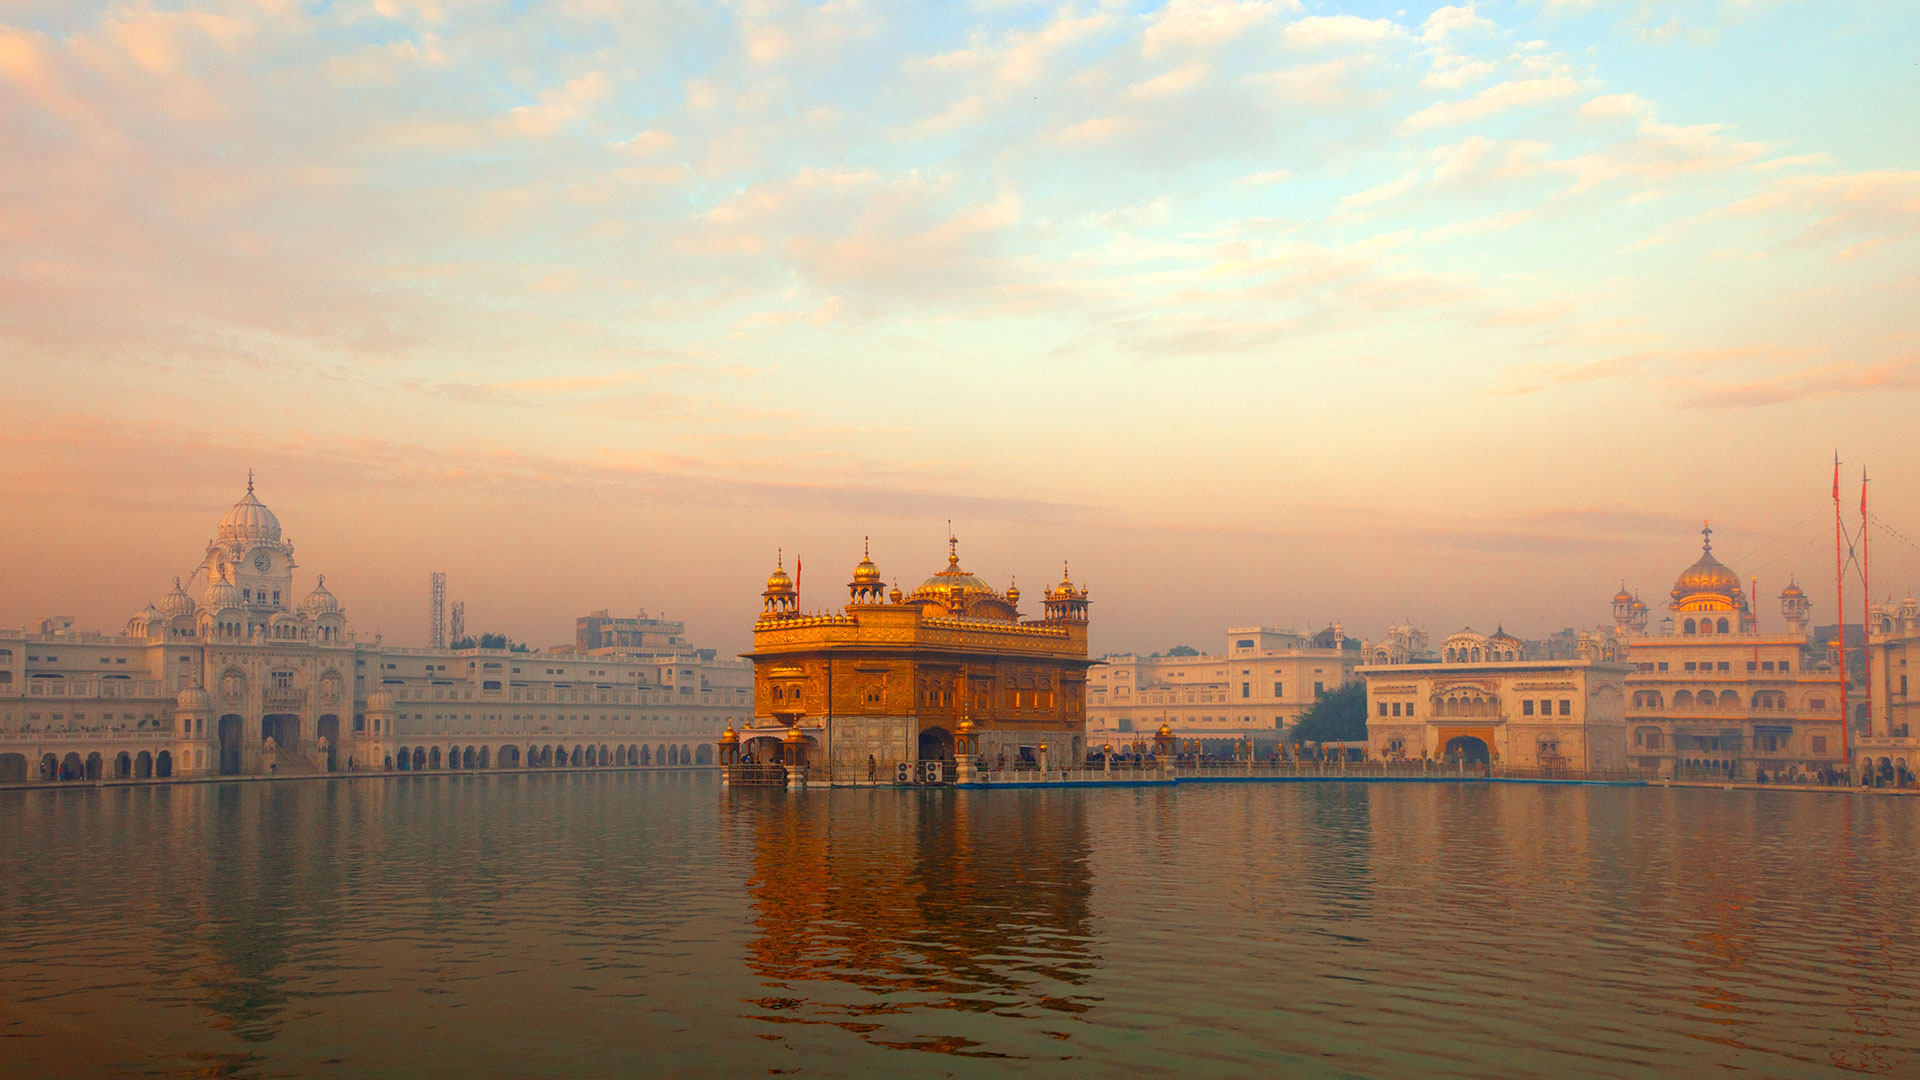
1190 24
1447 21
1334 31
1496 99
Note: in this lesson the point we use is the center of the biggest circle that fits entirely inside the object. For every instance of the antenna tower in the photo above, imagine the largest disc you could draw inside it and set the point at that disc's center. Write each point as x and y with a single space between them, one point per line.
458 631
437 638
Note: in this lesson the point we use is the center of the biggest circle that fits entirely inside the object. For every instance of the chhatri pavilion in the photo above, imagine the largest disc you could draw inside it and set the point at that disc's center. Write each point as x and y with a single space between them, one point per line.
949 672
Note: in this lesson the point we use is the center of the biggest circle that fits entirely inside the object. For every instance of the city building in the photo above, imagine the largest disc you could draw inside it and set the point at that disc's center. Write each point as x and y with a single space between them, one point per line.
1888 743
925 676
1710 694
1484 702
251 677
1255 688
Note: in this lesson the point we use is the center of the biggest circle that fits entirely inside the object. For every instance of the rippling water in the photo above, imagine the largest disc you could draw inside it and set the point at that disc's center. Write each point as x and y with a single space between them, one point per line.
656 924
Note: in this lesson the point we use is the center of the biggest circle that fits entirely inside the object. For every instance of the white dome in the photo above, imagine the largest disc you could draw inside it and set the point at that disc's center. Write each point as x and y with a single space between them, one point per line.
379 700
176 602
320 601
193 697
220 595
249 519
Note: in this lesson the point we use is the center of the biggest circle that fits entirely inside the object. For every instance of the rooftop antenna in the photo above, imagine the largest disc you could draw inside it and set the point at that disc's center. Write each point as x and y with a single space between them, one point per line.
437 585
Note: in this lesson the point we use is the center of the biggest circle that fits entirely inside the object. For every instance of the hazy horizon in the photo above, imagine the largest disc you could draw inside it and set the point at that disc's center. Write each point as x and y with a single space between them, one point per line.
1255 312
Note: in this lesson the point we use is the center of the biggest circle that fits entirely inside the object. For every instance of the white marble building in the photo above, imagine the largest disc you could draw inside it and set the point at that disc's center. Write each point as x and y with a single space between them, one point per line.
246 679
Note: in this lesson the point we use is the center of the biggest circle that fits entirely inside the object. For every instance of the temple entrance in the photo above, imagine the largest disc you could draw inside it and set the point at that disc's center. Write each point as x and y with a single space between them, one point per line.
936 744
329 729
1466 748
282 728
232 730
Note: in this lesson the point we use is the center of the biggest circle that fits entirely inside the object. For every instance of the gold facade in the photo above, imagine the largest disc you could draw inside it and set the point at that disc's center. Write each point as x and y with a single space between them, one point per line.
895 677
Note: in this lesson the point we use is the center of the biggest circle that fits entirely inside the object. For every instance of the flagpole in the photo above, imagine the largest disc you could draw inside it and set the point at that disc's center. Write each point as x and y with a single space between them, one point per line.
1866 599
1840 606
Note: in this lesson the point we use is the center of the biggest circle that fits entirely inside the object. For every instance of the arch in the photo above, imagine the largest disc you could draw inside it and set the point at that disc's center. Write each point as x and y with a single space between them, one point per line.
606 755
95 766
1729 699
620 755
231 731
671 756
1467 748
646 755
466 758
483 757
573 759
420 758
404 760
1689 627
433 758
72 768
633 754
329 729
122 765
686 754
509 757
13 768
703 754
1683 699
143 765
935 744
163 764
1722 627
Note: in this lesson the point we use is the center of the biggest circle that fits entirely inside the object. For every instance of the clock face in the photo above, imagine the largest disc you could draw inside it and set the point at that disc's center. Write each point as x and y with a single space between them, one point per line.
263 562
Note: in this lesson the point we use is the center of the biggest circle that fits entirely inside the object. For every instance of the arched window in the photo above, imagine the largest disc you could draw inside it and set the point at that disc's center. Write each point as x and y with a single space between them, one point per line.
1689 627
1722 628
1683 699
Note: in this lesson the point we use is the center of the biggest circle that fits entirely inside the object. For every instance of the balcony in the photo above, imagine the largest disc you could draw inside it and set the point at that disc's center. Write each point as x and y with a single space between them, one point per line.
284 697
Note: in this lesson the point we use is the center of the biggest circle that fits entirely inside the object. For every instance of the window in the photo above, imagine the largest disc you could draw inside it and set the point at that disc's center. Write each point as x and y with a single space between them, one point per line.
1819 744
1246 690
1383 709
1526 706
1754 666
1786 665
1566 707
1725 666
1319 688
1276 690
1690 665
1663 665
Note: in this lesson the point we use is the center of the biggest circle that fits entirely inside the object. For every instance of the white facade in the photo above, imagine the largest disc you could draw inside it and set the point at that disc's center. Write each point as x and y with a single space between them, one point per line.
244 680
1255 688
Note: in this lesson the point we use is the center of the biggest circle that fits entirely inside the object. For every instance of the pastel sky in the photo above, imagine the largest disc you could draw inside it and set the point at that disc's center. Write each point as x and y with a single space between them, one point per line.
1259 312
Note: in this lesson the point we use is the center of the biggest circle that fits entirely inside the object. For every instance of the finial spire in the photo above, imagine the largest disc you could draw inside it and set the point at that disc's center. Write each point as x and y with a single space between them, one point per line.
866 547
249 481
780 558
1706 536
953 545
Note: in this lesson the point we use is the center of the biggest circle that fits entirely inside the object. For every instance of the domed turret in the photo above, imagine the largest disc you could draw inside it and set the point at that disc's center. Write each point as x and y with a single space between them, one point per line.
1504 646
379 701
1795 607
176 602
1013 593
1065 602
249 519
320 601
867 587
781 595
193 698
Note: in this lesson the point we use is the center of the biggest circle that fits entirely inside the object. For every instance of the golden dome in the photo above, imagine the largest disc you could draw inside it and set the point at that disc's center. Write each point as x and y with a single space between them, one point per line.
1707 574
865 573
1792 590
1165 732
953 579
1623 596
1065 588
729 736
794 737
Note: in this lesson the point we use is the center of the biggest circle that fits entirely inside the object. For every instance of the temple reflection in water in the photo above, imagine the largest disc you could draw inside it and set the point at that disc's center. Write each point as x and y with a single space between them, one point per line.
966 901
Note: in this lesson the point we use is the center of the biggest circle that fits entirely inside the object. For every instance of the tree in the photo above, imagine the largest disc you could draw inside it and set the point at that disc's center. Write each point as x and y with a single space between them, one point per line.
493 641
1183 650
1338 715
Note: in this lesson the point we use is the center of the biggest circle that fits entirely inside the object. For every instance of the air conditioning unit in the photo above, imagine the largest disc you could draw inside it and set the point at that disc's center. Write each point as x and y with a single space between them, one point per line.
903 772
934 771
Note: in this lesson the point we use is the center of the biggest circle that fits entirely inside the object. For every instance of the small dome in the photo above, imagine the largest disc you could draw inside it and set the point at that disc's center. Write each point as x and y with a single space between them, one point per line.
1792 591
379 700
1013 593
149 614
320 601
176 602
1623 596
220 595
1500 634
1065 588
795 736
193 697
1165 731
249 519
729 736
778 583
865 573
